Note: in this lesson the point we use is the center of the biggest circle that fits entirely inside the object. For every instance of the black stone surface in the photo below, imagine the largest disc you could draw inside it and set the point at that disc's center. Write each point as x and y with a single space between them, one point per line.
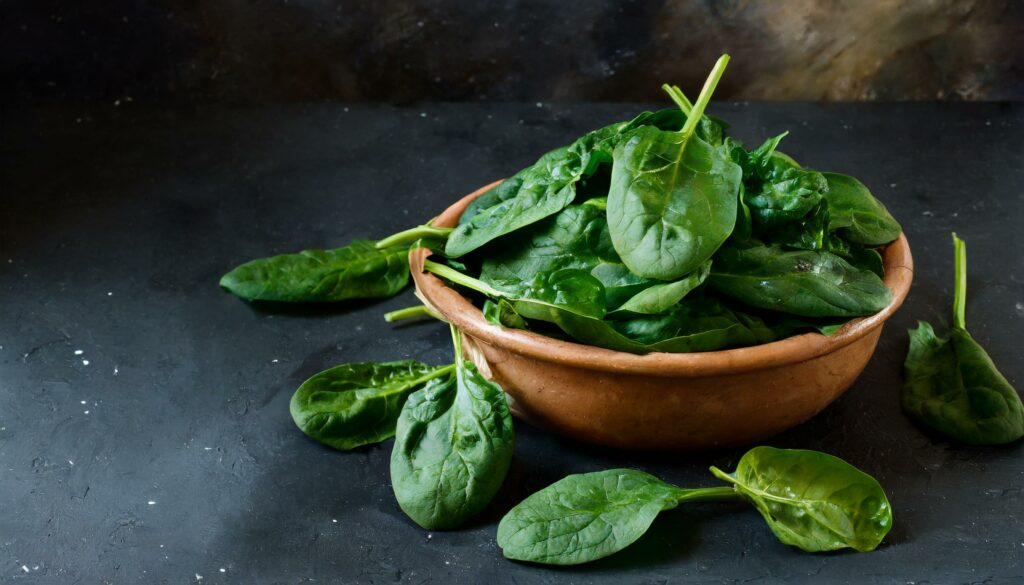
164 452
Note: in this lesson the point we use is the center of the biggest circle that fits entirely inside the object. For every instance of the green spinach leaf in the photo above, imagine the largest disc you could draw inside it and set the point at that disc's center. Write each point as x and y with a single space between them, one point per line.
672 200
812 500
589 516
356 271
782 193
805 283
951 384
659 298
357 404
856 214
453 447
540 191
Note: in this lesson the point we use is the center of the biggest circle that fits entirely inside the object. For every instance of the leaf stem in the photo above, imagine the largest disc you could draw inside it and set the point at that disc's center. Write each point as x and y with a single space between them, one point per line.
459 278
712 494
705 97
456 343
435 374
960 287
411 235
677 96
410 313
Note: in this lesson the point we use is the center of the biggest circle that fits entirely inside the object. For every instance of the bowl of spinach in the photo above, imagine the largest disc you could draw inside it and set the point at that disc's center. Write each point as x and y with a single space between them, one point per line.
655 285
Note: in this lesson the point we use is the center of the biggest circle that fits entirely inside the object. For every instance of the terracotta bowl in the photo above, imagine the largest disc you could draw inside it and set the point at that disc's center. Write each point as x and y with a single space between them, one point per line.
664 401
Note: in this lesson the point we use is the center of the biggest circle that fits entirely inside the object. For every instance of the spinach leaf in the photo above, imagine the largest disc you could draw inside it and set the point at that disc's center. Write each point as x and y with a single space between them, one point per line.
812 500
503 314
807 233
697 324
453 447
589 516
570 299
782 192
576 237
951 384
672 200
357 271
856 214
659 298
357 404
540 190
806 283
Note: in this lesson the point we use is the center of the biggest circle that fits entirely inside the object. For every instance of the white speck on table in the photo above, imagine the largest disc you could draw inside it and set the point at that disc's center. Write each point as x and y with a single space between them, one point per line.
85 362
79 352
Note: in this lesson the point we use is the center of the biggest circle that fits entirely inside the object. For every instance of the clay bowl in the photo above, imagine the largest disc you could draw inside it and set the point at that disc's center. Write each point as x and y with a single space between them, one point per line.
664 401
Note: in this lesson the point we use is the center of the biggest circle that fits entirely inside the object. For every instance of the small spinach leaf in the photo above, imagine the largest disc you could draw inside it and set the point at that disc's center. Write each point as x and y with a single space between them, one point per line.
503 314
805 283
357 404
951 384
856 214
659 298
356 271
782 193
453 447
812 500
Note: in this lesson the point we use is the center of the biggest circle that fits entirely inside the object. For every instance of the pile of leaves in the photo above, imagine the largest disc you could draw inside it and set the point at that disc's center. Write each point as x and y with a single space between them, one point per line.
660 233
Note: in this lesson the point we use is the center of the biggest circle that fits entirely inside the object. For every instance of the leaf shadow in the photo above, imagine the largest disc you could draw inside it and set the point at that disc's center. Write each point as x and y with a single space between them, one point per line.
313 310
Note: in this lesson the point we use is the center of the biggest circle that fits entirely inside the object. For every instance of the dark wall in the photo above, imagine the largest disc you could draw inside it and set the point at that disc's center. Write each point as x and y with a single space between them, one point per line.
281 50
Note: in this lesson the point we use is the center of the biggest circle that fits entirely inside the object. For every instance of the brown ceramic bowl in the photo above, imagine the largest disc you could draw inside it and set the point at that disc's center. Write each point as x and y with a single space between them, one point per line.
677 401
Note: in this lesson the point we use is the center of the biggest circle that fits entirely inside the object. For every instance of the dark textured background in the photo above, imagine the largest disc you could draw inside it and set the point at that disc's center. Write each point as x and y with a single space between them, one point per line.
259 51
117 222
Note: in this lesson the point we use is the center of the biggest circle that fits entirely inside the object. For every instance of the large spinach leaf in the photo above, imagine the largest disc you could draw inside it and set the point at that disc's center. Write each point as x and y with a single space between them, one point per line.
856 214
357 271
357 404
806 283
951 384
672 199
585 517
453 447
812 500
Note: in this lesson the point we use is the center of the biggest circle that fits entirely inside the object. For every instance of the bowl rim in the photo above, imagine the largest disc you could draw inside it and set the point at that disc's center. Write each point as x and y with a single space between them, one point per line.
456 309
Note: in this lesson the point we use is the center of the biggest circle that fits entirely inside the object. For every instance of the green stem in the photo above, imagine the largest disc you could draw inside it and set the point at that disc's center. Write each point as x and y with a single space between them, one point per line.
435 374
459 278
410 313
411 235
705 97
712 494
687 104
677 96
960 287
457 343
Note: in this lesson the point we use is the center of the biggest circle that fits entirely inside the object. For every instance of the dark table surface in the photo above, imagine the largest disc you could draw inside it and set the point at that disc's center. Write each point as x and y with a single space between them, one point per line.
144 426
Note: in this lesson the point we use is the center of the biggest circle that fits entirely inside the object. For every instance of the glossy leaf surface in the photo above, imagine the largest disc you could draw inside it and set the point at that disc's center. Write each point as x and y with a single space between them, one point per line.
357 404
805 283
356 271
453 446
812 500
